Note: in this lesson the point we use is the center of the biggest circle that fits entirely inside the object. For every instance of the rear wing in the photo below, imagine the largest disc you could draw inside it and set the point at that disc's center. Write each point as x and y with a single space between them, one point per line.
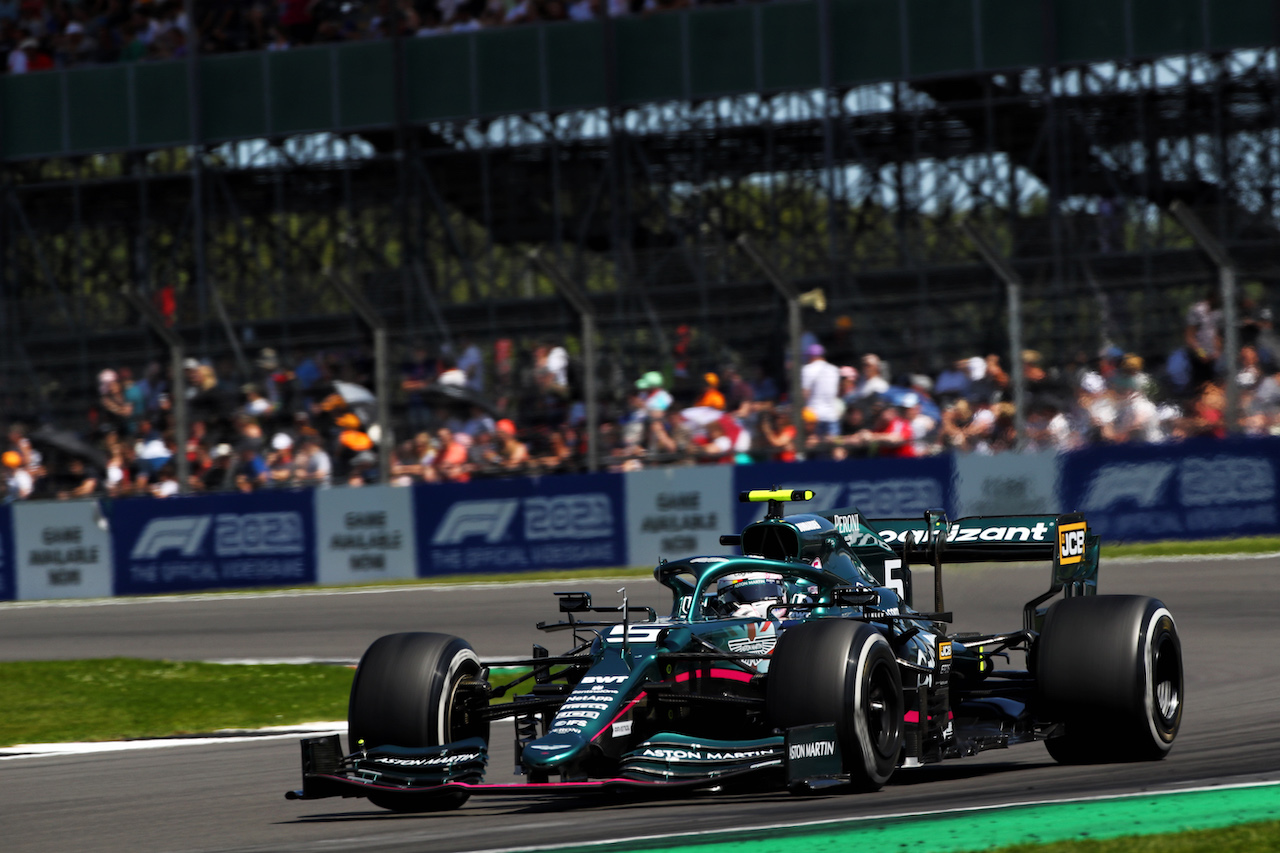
1063 539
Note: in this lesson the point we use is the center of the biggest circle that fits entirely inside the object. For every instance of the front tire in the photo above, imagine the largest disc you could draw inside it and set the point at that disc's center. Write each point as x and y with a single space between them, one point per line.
842 672
1109 668
406 692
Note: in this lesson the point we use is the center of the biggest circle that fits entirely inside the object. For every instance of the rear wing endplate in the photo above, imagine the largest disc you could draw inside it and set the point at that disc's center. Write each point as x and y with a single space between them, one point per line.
1064 539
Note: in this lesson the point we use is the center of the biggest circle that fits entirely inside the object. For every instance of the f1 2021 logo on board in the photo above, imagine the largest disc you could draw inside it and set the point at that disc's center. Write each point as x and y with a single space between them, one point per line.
466 519
588 516
234 535
1201 481
584 516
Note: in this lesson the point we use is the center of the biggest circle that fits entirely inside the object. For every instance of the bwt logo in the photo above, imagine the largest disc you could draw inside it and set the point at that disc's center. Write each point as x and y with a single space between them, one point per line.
587 516
235 535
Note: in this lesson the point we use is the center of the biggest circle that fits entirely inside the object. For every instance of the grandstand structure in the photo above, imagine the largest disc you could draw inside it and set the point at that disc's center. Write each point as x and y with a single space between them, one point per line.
848 138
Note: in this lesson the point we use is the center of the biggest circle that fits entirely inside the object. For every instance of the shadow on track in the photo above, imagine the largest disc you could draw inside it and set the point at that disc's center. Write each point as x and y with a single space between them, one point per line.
518 804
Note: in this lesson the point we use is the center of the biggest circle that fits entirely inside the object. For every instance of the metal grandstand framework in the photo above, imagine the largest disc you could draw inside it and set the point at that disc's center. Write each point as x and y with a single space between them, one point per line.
860 189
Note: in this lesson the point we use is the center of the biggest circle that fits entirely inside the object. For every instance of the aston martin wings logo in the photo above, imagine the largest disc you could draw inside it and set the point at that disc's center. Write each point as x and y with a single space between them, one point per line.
760 640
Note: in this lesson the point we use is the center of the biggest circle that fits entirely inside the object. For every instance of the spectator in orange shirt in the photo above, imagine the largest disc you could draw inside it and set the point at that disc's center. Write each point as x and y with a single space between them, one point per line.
780 435
452 460
711 395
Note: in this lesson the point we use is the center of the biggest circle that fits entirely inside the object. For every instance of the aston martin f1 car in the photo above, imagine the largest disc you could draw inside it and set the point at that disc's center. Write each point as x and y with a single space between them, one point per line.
801 663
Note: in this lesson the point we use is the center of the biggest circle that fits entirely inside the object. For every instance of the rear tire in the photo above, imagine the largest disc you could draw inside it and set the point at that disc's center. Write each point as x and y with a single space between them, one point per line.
1109 668
405 693
842 672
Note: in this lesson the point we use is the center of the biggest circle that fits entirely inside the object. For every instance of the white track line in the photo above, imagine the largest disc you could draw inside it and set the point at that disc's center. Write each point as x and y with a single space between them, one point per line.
351 662
1191 558
47 750
297 661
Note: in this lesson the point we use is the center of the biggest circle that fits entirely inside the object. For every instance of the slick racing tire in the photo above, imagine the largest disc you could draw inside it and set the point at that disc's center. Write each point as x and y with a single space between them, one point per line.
1109 668
406 693
842 672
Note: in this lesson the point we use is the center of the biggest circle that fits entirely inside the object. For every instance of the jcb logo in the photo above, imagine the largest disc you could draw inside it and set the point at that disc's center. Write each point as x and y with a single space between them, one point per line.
1071 543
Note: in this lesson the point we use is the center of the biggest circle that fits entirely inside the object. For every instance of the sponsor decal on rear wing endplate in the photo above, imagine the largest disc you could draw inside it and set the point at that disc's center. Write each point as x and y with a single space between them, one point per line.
1063 539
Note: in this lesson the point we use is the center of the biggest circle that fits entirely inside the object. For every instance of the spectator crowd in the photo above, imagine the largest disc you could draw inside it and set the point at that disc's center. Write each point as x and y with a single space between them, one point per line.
38 35
308 419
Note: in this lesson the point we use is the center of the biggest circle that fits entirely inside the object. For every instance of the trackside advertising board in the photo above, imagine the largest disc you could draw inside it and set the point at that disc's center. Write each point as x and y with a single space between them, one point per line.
364 535
880 488
565 521
7 583
1007 484
214 541
1199 489
676 512
66 549
62 549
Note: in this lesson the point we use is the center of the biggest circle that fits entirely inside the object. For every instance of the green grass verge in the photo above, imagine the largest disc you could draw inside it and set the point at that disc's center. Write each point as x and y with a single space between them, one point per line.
1243 545
120 698
1243 838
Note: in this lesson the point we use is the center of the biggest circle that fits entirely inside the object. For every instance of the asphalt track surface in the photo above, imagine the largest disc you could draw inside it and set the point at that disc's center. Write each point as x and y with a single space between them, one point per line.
230 796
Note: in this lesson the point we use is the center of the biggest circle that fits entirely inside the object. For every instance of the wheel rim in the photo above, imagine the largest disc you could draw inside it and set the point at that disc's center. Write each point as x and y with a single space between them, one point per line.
464 667
1166 681
458 720
881 714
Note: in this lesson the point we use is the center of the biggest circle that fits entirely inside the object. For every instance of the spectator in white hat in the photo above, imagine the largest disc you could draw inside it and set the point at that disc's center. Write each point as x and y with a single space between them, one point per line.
871 383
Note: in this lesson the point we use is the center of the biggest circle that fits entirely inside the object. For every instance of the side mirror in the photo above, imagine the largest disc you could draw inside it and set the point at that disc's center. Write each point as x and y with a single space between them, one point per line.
853 596
541 674
574 602
731 539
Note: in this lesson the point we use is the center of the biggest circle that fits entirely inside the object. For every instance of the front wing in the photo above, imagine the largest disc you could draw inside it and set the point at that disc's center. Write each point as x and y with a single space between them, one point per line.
805 757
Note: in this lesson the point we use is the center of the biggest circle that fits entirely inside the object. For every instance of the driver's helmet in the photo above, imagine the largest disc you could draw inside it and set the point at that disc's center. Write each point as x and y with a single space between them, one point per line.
750 594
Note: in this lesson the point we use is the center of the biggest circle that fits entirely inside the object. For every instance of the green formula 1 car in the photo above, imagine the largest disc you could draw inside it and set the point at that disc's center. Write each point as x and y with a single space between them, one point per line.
803 663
